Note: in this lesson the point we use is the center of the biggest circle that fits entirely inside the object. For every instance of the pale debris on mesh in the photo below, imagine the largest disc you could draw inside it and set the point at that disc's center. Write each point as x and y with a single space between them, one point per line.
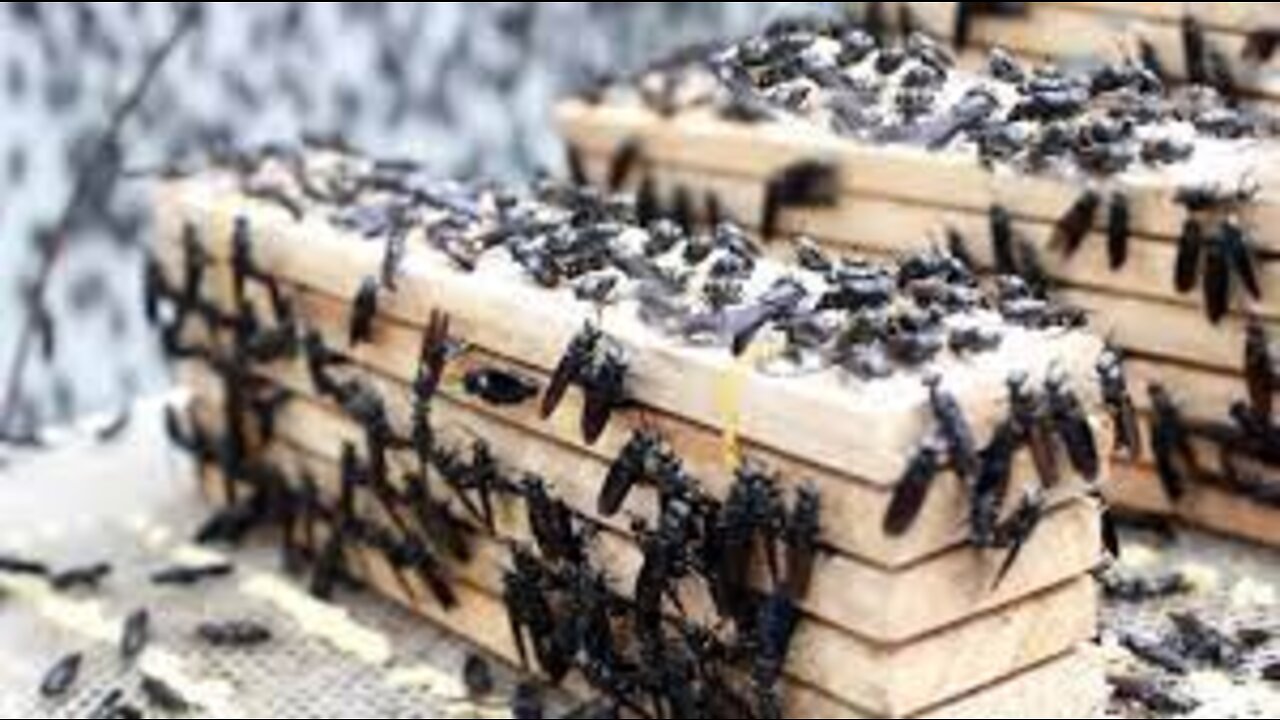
87 618
323 621
1224 697
1139 557
1250 593
1204 578
215 698
449 690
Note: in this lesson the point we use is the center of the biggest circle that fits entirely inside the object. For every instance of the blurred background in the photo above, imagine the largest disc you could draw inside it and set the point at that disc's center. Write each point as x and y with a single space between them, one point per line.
465 87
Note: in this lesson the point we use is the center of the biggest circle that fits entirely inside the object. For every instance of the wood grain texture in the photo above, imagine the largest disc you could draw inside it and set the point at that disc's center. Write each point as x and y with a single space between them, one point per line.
1237 16
1209 507
882 606
1088 31
898 682
703 142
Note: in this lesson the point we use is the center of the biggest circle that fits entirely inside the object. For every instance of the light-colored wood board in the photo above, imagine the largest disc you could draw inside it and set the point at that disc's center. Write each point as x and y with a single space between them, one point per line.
1238 16
862 428
883 226
700 141
1169 331
393 362
1206 506
1058 30
892 682
1068 688
1201 394
1209 454
882 606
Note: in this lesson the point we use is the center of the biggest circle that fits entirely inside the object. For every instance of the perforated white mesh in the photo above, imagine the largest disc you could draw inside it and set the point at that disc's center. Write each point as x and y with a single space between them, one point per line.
132 504
295 676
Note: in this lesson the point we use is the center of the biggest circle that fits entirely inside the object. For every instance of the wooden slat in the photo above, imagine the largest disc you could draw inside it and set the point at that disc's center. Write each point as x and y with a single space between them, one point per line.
1067 30
894 682
865 429
1169 331
393 362
1201 394
699 141
873 224
889 607
1068 688
1207 506
1238 16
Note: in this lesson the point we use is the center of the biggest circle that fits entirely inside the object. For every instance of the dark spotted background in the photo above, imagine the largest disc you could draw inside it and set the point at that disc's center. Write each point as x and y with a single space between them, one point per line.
466 87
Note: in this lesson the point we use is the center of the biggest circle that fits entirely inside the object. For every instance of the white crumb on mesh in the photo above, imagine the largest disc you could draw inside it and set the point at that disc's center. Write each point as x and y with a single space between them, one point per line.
472 711
87 618
158 537
431 680
1139 557
322 621
1204 578
139 523
1223 697
1250 593
198 556
214 697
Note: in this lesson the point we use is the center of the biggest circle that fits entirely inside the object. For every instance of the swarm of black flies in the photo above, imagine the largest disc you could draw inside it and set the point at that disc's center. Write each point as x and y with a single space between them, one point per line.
710 287
1247 442
882 82
1049 424
865 83
1188 642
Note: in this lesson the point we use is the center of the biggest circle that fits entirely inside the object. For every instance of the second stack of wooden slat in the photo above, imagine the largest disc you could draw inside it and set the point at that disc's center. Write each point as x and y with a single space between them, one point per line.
899 200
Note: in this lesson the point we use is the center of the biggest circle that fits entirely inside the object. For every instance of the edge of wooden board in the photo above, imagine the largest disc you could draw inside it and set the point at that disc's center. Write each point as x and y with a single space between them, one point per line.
1238 16
887 227
913 175
1206 506
1071 30
878 605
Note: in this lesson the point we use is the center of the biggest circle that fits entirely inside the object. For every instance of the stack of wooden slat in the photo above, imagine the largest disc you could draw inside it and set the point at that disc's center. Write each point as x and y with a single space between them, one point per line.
912 624
892 197
1234 40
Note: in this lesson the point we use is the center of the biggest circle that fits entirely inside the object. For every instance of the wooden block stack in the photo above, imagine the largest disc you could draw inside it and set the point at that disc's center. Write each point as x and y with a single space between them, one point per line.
1117 199
368 350
1229 45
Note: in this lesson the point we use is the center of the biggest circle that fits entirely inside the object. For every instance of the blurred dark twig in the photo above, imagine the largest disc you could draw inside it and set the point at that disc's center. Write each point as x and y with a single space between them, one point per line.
88 181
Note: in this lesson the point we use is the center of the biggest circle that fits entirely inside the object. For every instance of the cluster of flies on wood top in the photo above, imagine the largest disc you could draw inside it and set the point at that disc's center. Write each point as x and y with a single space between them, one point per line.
562 608
884 90
1100 123
1215 249
706 287
1203 62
